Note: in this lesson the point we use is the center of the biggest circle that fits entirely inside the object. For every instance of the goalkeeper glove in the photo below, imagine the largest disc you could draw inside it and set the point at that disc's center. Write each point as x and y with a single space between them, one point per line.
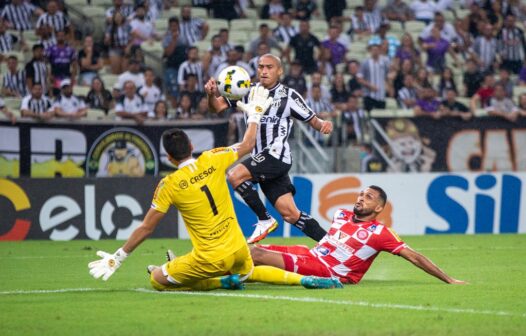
106 266
258 103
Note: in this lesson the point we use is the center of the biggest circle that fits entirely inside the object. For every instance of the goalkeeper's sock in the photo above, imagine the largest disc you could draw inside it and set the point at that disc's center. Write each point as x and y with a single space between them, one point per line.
273 275
310 227
249 194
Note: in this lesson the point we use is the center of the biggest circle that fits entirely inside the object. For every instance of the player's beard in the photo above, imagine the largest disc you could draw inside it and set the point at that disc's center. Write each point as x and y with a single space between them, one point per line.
361 211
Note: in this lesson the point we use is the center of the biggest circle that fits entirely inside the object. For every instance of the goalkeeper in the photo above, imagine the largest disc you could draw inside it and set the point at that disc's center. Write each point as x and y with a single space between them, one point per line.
199 190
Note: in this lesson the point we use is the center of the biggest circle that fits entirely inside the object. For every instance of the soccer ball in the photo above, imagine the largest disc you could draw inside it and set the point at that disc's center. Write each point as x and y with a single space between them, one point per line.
233 82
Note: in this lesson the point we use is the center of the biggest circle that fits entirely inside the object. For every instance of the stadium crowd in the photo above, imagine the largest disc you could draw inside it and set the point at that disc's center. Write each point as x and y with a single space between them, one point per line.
349 59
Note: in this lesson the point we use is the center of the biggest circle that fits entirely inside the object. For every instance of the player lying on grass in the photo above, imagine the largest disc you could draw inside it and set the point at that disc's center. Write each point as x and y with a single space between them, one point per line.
349 248
199 190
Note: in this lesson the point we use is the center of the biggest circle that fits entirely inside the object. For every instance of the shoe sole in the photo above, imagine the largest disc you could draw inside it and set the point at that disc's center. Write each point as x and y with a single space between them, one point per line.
264 234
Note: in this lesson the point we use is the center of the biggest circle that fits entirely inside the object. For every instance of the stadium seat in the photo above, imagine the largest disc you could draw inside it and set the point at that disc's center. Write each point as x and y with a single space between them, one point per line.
348 12
161 25
217 24
252 13
241 25
199 12
480 112
94 12
79 90
174 11
354 3
238 37
109 80
78 4
95 114
414 26
271 23
378 113
404 113
12 103
391 104
518 90
318 26
203 47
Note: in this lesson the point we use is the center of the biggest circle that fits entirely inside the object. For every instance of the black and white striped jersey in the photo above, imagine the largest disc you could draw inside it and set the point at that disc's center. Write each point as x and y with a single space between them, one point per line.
58 21
15 82
41 105
276 123
37 72
285 34
19 16
512 44
191 30
375 72
486 50
7 42
187 68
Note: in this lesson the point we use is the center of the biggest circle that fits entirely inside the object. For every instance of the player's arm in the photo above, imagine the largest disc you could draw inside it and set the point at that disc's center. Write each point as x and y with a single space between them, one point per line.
109 263
323 126
216 103
421 261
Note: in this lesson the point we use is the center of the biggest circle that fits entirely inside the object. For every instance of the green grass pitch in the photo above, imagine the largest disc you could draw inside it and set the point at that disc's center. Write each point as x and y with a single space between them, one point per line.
41 293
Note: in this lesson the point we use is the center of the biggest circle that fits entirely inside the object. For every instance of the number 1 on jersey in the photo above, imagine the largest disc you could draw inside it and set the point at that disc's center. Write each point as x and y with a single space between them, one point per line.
210 199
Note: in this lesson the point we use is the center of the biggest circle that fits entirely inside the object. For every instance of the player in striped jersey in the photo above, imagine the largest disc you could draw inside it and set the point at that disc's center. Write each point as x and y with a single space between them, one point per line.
271 158
354 240
37 105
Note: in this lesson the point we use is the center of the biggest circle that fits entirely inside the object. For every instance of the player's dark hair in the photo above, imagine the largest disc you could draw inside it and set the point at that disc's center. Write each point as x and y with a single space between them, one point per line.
381 192
177 144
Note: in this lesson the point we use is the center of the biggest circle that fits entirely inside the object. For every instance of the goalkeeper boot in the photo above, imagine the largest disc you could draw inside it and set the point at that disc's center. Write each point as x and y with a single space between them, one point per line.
152 268
232 281
263 228
313 282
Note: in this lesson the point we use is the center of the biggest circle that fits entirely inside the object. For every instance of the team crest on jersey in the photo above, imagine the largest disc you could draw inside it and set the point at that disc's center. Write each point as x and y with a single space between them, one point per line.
280 93
183 184
362 234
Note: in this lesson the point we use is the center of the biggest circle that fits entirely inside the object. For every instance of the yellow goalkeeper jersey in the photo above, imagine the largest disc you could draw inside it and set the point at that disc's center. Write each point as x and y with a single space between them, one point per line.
199 190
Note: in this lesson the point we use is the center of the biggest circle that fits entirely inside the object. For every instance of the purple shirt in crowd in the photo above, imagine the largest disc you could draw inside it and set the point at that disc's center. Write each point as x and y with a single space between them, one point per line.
337 49
522 74
428 106
436 57
61 59
403 54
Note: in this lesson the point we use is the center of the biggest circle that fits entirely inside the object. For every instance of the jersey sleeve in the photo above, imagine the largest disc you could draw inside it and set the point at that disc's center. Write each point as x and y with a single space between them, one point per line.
162 197
223 156
299 109
390 242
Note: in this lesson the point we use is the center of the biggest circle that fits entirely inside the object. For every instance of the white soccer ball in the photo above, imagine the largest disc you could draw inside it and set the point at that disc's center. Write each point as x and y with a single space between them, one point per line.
233 82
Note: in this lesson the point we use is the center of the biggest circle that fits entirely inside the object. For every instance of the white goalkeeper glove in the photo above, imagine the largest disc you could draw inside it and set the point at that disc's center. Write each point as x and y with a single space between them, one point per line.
106 266
258 103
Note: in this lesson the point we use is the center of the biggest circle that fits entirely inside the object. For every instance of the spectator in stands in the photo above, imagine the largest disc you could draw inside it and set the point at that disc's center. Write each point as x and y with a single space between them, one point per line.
19 14
192 65
133 74
192 29
397 10
118 39
213 57
8 114
339 92
389 43
234 57
334 9
150 92
295 78
447 30
408 94
372 14
67 105
272 10
472 78
46 36
502 106
119 6
512 45
174 55
505 80
14 81
225 9
484 49
372 76
225 45
131 105
337 50
8 41
192 89
436 48
447 81
266 36
98 96
303 45
36 105
36 69
423 78
522 104
202 109
323 109
427 105
141 29
285 31
160 110
90 61
185 109
483 95
360 27
343 37
263 48
305 9
353 69
424 10
354 120
325 67
63 60
316 79
56 19
453 108
408 51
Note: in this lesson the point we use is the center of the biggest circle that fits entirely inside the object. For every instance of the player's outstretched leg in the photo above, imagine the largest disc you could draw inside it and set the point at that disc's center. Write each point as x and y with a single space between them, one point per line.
313 282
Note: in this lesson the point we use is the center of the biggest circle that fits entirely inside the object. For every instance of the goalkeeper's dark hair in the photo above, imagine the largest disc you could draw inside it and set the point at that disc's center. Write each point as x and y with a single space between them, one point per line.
177 144
382 195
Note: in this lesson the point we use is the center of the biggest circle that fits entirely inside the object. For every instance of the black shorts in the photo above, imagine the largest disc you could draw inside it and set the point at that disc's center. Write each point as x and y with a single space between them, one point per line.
271 174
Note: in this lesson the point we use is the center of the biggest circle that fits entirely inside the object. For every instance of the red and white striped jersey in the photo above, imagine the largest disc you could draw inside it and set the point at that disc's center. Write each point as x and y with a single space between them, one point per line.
350 246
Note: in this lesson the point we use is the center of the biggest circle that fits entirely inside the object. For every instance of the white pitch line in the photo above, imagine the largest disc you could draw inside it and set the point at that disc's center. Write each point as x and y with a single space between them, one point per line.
277 298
